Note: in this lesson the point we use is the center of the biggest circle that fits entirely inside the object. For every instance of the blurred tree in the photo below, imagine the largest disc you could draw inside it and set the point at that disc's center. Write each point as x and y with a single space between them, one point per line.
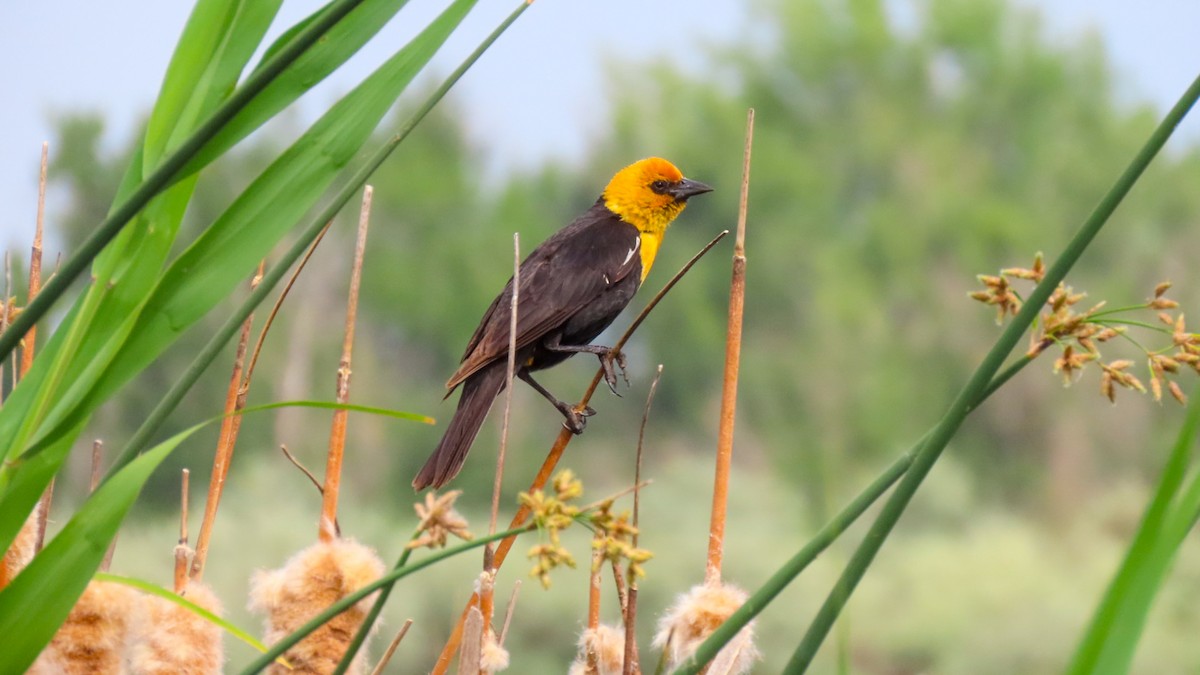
897 155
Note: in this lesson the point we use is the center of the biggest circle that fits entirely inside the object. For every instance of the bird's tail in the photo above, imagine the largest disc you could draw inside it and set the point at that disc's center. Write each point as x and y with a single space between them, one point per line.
478 393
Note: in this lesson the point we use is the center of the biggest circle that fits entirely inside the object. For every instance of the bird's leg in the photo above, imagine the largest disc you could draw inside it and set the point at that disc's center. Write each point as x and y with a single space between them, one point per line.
607 355
575 420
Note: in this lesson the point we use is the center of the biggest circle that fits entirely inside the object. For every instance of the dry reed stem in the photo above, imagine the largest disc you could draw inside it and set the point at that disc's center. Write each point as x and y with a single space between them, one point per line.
242 378
304 469
29 343
733 350
556 452
235 400
629 610
327 527
93 481
35 262
593 619
391 648
181 549
512 366
487 600
508 612
472 644
262 335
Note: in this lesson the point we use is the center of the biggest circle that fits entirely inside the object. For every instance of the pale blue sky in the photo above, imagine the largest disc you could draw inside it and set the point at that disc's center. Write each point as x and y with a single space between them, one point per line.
539 92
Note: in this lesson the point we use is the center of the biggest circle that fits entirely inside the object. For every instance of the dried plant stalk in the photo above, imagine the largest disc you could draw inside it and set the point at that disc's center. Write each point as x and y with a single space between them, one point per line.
235 400
28 343
311 581
391 648
182 552
733 350
327 528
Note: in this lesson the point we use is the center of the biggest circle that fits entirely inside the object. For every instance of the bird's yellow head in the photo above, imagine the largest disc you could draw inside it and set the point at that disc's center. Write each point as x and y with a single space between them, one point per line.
649 193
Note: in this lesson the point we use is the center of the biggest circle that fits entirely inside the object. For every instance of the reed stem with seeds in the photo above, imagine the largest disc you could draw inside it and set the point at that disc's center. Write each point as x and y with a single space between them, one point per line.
327 529
487 596
181 550
631 658
30 342
231 424
733 351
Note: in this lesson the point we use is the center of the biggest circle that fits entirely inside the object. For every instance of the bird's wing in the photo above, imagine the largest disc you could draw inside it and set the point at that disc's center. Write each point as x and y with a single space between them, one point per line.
561 276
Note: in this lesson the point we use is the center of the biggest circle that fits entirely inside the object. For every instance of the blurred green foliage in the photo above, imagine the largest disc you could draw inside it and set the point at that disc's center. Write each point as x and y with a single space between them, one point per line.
896 157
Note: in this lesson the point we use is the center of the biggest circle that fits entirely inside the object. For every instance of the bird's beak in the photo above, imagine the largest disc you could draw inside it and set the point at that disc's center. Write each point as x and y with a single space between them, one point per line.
687 188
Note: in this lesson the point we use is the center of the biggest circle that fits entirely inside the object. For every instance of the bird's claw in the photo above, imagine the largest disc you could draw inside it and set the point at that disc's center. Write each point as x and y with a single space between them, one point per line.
575 420
610 370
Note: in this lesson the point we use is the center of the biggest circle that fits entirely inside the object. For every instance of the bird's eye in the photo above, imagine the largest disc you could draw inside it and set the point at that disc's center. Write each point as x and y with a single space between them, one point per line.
659 186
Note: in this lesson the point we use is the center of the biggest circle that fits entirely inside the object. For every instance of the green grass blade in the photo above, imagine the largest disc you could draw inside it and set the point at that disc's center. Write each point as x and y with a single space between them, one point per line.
217 42
330 405
171 596
309 234
1112 638
58 575
163 176
864 555
223 255
341 42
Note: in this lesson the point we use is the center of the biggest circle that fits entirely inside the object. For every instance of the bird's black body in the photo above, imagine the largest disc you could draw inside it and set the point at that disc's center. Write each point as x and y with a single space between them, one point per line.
572 287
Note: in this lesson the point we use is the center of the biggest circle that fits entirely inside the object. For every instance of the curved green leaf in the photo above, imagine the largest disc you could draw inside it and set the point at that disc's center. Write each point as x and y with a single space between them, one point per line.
58 575
171 596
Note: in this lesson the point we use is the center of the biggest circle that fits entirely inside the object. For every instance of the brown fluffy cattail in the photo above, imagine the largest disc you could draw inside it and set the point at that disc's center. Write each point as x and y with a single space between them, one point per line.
607 643
95 635
694 616
22 549
173 640
311 581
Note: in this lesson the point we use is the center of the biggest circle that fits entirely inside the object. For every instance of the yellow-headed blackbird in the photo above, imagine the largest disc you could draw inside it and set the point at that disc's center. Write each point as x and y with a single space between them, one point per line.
572 287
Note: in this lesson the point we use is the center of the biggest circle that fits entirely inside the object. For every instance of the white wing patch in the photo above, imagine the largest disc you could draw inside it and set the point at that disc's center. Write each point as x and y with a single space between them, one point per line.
636 243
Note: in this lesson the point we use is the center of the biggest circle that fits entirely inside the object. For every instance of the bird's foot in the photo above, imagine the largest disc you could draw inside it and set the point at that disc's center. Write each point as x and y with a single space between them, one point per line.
610 362
575 420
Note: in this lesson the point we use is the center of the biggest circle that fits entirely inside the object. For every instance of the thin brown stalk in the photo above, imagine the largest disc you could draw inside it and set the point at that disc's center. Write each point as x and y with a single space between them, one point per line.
472 645
508 613
93 481
303 469
593 617
733 350
556 452
631 661
512 365
29 343
287 288
97 453
391 649
487 597
35 262
226 441
181 550
327 527
44 516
